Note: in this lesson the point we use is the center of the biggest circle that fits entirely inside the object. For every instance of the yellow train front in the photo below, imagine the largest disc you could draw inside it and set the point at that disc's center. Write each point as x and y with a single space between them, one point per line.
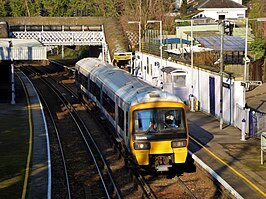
159 137
150 123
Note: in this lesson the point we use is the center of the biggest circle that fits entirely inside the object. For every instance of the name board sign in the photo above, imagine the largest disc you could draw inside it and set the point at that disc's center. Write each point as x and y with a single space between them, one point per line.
226 85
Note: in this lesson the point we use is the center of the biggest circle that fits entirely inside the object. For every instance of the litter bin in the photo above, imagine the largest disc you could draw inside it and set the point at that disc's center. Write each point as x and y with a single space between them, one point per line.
263 145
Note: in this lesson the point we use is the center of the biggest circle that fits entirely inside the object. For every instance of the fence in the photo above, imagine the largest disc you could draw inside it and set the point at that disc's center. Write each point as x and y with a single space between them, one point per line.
257 123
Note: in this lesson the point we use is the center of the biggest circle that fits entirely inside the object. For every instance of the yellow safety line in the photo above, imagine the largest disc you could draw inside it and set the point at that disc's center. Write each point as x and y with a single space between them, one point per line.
26 179
231 168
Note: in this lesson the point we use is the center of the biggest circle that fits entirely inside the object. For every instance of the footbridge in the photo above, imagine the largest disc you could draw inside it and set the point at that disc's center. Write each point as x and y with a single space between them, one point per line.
104 32
50 35
29 36
64 35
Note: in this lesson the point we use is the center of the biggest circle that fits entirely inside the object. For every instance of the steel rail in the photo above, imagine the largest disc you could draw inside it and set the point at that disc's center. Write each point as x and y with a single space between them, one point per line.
72 109
59 143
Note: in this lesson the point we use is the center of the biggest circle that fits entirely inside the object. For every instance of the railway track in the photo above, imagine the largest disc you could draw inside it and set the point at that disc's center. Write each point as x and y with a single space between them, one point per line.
65 182
149 186
107 187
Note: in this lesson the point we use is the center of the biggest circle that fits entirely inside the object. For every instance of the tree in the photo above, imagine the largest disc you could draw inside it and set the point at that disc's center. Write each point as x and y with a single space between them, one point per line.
258 47
17 8
3 12
183 8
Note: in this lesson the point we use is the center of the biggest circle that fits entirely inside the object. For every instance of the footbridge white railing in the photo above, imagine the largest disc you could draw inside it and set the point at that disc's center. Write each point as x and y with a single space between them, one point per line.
61 35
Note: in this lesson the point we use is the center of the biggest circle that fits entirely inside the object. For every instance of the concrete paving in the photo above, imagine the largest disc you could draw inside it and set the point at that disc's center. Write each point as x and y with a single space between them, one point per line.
40 170
256 99
235 163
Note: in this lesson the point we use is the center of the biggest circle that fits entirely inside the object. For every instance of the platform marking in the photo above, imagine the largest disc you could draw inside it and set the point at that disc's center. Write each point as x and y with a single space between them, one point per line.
26 179
231 168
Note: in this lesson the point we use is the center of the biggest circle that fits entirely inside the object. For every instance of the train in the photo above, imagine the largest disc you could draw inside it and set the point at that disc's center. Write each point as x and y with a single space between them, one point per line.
149 123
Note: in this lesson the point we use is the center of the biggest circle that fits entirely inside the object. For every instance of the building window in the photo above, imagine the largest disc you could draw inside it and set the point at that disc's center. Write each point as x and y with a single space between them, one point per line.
221 17
179 80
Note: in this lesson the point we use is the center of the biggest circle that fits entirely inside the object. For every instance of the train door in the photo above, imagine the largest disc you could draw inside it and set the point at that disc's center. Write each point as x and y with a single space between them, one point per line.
212 95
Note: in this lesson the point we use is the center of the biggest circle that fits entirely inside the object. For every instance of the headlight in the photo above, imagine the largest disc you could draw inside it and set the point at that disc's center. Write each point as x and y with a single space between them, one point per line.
142 145
178 144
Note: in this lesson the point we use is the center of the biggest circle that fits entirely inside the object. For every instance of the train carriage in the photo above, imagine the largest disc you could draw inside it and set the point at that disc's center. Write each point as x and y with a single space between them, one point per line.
151 123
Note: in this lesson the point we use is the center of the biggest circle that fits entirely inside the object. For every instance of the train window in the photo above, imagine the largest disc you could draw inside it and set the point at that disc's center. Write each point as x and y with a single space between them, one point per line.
95 90
121 118
127 123
109 105
92 88
77 76
84 81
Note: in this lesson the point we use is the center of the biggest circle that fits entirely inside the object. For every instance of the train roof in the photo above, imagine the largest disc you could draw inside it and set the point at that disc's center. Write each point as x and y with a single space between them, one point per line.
129 88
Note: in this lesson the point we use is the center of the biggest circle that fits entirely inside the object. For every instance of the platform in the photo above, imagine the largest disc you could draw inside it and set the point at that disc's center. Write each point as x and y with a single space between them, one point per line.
234 162
29 130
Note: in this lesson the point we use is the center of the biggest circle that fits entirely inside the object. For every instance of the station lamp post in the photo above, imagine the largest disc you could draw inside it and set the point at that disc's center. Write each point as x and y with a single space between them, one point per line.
161 44
246 60
221 74
192 61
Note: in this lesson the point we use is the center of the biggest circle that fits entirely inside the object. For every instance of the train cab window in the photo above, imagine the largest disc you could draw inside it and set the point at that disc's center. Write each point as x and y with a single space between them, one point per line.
145 120
162 120
172 119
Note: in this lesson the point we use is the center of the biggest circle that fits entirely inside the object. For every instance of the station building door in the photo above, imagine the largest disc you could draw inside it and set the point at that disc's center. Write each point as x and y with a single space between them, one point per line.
212 95
5 85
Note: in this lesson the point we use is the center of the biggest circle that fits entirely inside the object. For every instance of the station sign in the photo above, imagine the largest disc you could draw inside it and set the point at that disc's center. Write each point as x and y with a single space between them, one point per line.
243 84
254 83
251 83
226 85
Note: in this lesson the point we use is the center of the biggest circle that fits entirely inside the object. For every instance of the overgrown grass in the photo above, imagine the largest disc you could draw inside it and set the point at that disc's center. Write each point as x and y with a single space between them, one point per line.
13 150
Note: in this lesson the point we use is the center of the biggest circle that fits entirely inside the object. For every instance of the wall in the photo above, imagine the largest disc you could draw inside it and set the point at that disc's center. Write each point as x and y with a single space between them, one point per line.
232 93
23 53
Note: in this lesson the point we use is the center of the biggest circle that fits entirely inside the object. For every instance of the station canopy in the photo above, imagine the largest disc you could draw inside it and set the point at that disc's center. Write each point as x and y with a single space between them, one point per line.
175 41
170 69
22 49
6 42
231 43
184 50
